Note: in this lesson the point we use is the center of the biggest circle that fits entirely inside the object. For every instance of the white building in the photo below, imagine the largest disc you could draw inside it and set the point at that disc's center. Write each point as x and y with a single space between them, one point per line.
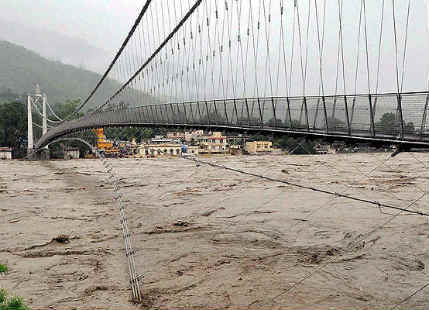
71 153
5 153
162 149
325 149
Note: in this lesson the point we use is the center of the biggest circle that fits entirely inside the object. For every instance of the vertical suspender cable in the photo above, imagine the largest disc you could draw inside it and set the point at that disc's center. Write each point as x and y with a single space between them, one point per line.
292 50
379 47
358 48
340 12
156 52
366 47
320 44
396 45
405 45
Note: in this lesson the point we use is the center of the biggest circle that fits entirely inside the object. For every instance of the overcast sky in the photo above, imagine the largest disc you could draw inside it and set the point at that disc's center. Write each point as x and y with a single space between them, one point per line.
105 23
102 23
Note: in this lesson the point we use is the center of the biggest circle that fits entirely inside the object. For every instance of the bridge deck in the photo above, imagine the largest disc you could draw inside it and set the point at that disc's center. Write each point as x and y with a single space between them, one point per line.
385 119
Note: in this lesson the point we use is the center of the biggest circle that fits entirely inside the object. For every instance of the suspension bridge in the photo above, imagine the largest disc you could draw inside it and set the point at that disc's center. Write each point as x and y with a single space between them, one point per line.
267 66
337 70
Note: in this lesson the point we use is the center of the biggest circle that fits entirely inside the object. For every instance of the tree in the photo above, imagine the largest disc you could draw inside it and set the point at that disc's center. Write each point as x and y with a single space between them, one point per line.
13 124
252 121
295 124
335 123
66 109
274 122
212 118
390 124
259 137
130 133
298 146
409 128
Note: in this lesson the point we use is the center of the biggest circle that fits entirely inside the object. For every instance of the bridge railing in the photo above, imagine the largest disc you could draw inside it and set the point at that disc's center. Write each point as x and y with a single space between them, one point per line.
388 116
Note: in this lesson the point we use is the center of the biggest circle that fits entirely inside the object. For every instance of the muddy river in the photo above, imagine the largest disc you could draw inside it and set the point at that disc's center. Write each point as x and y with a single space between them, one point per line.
209 238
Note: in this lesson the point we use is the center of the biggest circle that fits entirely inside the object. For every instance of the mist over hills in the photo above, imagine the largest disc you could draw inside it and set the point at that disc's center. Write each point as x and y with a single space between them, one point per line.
55 46
21 69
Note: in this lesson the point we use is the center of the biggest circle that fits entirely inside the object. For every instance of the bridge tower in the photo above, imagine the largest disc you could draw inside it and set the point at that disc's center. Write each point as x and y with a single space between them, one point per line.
33 100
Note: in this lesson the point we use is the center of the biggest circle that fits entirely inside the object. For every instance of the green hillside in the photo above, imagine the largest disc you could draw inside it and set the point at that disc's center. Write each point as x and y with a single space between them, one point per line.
21 69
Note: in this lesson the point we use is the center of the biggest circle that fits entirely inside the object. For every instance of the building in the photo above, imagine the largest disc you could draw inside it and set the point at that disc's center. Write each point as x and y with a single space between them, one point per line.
160 149
5 153
71 153
193 149
216 143
237 140
193 135
176 135
325 149
235 149
161 140
187 136
257 147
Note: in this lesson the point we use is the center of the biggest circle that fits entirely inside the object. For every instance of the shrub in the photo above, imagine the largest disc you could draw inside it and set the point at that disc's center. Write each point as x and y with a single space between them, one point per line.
3 296
3 268
16 303
12 303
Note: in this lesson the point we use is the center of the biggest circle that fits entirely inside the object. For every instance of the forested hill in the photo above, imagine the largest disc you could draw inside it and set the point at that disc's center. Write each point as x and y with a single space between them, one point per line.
21 69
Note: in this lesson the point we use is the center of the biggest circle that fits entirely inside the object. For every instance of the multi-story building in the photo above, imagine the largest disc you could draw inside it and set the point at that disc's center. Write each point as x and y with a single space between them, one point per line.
187 136
216 143
193 135
258 147
176 135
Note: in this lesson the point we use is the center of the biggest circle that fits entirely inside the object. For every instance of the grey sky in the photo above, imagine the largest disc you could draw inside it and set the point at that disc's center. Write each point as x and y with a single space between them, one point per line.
104 24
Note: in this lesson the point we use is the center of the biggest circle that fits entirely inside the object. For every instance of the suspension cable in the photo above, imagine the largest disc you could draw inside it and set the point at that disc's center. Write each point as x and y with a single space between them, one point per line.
340 17
155 53
363 200
52 111
405 45
121 49
379 47
292 49
358 48
366 47
41 114
320 43
396 45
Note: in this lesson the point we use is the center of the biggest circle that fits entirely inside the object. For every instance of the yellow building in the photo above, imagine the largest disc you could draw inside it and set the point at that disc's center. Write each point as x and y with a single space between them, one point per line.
213 144
162 149
193 149
259 147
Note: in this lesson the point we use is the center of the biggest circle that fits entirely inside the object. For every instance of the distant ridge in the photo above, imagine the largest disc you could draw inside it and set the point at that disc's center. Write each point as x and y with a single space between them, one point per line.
21 68
56 46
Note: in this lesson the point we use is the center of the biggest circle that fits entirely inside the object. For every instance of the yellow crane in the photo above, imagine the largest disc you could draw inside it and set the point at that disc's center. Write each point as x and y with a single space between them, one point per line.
105 145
